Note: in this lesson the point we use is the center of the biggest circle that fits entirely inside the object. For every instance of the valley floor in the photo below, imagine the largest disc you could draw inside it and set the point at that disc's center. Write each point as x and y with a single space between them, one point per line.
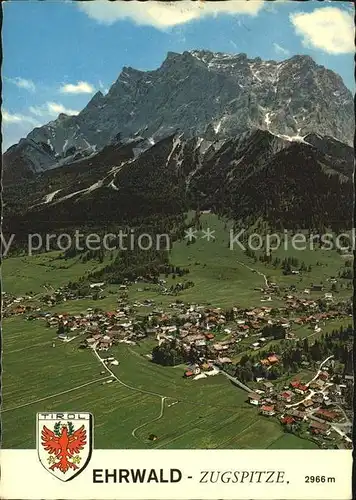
144 398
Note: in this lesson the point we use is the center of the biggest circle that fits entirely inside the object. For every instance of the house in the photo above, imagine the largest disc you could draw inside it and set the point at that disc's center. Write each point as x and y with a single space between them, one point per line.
288 420
218 347
286 396
96 285
317 384
295 384
264 362
268 386
267 410
317 398
328 296
254 399
319 428
194 369
188 374
224 360
328 415
209 336
323 375
298 415
255 346
301 389
308 403
317 288
273 359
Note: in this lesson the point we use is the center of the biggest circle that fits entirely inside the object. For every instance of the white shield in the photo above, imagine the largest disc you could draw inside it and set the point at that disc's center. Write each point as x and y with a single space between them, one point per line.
64 442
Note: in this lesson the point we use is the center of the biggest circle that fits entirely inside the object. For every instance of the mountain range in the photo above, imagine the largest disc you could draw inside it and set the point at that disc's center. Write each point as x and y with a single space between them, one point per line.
205 130
200 93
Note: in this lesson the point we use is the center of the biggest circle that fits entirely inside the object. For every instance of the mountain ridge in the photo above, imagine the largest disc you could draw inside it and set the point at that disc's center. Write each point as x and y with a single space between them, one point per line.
253 175
199 93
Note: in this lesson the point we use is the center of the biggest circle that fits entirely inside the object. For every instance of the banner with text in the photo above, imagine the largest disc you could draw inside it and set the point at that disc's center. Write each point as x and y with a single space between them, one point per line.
174 474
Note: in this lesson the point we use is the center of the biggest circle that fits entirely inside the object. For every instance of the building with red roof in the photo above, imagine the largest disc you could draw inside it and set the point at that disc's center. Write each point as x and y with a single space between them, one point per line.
267 410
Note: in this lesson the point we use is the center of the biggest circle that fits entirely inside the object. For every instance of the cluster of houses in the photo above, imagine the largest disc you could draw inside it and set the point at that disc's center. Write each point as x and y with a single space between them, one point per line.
12 305
311 403
204 328
202 370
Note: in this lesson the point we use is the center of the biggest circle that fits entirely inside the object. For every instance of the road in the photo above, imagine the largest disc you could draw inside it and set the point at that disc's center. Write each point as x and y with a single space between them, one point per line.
143 391
342 433
310 381
319 371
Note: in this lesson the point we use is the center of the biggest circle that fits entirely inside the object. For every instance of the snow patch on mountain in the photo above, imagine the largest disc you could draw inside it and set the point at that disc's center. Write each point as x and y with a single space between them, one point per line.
49 197
176 142
113 186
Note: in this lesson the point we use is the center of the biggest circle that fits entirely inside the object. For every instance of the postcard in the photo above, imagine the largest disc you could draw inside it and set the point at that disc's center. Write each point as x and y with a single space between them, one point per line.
177 250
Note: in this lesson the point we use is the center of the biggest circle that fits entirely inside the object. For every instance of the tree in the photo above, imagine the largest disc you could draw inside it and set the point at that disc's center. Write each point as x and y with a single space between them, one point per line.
61 329
276 331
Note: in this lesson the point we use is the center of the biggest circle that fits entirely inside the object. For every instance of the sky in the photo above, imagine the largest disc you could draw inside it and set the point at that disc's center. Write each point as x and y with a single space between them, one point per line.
57 54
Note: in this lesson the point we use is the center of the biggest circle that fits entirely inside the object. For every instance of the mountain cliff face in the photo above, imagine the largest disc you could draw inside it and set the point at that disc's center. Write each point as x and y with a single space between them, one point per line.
211 95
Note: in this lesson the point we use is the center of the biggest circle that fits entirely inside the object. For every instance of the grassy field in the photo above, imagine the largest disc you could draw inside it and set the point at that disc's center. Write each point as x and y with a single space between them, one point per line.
218 272
210 413
25 274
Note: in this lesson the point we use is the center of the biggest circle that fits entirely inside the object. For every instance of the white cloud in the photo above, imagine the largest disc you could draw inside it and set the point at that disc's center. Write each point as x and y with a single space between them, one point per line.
280 50
18 118
51 109
37 110
79 88
22 83
327 28
56 108
163 15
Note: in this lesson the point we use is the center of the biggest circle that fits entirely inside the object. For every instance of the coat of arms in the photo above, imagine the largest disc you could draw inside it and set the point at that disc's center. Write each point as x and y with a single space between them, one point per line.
64 443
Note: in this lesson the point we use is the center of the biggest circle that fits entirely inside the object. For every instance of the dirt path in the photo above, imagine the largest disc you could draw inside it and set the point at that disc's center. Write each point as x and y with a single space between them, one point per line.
254 271
142 391
234 380
150 421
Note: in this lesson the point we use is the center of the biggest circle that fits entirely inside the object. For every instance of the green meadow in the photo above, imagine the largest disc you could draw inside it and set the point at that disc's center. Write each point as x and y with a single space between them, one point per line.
207 413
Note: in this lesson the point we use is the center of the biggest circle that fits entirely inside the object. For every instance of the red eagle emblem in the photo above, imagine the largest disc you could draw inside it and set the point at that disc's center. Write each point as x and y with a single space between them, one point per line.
64 446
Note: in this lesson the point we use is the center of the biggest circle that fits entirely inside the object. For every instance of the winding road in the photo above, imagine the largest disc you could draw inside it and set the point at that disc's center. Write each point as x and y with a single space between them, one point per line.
143 391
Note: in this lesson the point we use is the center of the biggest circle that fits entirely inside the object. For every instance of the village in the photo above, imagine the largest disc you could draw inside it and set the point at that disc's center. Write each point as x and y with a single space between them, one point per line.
209 341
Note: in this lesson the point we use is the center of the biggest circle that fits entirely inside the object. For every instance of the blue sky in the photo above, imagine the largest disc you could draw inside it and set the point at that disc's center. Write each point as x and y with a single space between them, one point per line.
57 54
